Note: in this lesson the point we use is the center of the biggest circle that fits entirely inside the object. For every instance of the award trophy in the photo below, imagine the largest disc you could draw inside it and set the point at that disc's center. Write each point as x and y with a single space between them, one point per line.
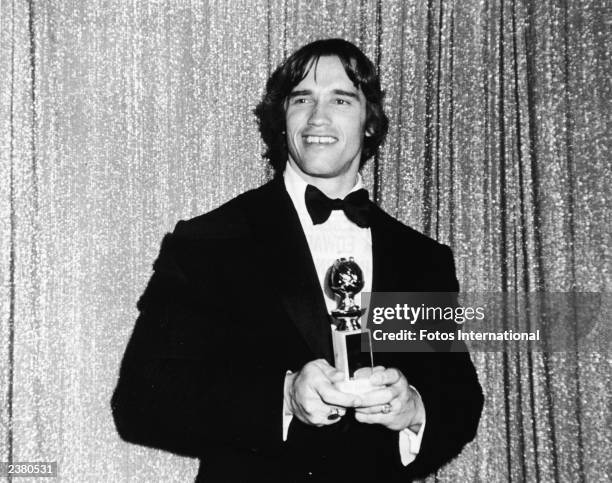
352 344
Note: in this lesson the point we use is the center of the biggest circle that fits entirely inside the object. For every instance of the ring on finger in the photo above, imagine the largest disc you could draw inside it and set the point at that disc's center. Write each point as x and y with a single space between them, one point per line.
386 409
334 413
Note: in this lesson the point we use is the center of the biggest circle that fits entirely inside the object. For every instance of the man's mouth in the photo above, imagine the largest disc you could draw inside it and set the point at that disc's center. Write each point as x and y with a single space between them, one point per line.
319 139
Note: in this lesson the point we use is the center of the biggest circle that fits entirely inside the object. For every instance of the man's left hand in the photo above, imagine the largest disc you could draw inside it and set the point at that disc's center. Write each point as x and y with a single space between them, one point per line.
394 404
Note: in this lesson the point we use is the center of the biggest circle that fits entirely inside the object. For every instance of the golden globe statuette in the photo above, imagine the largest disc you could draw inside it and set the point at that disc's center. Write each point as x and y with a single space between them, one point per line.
352 344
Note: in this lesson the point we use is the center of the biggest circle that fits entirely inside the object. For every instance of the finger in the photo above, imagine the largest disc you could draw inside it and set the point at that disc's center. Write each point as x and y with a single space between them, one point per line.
335 376
328 415
374 371
335 413
386 377
314 411
329 371
378 409
378 397
332 397
367 371
324 366
363 372
378 418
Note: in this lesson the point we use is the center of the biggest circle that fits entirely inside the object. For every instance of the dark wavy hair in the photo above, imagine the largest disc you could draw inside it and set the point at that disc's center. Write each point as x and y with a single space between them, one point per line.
270 112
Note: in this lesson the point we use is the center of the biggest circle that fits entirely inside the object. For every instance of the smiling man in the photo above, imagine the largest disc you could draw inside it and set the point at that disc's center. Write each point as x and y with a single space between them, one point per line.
325 120
250 387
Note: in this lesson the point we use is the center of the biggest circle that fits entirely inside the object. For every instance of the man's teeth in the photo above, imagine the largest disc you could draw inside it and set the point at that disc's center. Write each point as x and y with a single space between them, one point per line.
320 139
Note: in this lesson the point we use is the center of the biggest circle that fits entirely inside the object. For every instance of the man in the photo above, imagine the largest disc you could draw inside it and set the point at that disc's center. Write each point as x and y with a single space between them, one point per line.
231 360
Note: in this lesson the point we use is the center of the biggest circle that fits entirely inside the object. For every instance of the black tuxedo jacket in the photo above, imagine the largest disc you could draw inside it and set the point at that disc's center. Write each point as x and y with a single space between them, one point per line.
233 303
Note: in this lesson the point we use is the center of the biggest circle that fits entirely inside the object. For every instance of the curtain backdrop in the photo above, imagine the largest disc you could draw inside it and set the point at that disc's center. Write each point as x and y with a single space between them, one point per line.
119 118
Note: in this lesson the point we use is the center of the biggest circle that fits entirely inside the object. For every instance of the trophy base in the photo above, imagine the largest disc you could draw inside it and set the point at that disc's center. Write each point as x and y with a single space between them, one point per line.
355 386
352 350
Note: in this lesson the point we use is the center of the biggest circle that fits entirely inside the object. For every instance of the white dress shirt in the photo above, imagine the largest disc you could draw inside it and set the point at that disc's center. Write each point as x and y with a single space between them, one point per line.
335 238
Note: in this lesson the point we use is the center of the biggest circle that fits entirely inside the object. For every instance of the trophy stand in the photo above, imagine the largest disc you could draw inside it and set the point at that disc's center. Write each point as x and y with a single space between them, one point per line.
352 344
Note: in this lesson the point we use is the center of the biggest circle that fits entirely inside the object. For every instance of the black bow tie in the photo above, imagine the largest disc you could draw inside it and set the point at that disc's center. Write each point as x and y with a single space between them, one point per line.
356 206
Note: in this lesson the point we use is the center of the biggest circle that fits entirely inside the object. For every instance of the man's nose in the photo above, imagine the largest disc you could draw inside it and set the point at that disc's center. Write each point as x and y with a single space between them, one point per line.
319 115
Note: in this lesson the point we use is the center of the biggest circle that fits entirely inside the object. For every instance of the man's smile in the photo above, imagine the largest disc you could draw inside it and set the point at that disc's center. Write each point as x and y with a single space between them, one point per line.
319 139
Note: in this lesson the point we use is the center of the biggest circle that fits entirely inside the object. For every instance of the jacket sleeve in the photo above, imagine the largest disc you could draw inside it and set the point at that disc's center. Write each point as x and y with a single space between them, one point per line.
179 387
449 387
453 403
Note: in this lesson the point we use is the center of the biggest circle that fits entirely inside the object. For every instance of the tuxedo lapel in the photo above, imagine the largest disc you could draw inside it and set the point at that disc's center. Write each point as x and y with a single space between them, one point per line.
384 253
285 253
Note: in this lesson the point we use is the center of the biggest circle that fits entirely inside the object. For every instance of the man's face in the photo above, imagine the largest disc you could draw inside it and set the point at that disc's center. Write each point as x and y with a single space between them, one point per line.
325 118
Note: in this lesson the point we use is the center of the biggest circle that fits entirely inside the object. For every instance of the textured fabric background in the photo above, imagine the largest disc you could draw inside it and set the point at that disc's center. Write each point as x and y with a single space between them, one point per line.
119 118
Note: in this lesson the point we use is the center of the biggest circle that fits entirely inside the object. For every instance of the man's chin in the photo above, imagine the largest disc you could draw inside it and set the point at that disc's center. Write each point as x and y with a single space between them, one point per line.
322 174
319 169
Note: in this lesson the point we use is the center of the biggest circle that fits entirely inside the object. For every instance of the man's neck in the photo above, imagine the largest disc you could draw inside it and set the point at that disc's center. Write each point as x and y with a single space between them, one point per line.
335 187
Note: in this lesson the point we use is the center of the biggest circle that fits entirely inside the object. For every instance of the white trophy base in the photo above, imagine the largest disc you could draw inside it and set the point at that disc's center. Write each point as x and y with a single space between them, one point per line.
355 386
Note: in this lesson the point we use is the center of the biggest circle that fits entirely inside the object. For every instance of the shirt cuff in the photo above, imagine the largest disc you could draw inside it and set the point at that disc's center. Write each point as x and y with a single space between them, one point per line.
410 442
287 414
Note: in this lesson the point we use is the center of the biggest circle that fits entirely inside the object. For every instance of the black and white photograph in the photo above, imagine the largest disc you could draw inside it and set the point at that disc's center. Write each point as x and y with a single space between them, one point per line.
305 241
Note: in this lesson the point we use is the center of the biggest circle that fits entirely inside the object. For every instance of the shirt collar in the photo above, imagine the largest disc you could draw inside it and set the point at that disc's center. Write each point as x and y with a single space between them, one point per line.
296 187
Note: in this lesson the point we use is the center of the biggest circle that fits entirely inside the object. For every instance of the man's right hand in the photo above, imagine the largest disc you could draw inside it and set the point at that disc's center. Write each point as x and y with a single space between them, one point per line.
311 396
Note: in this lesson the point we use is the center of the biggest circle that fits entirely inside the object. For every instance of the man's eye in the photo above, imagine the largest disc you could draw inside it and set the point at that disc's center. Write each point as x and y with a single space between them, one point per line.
300 100
342 102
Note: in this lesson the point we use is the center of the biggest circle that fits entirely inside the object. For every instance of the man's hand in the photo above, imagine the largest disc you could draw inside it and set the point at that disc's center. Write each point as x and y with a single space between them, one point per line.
394 404
311 396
